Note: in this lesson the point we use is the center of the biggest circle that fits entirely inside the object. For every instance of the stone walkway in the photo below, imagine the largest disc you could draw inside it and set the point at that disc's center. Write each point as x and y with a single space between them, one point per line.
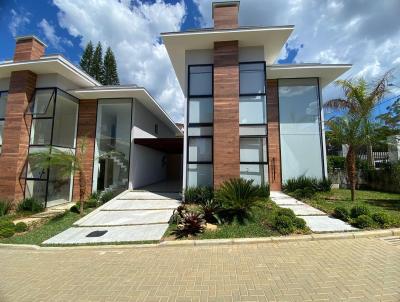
129 217
316 220
331 270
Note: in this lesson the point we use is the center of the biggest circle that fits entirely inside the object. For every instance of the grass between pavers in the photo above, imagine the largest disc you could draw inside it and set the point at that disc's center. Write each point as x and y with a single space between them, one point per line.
260 225
374 200
47 230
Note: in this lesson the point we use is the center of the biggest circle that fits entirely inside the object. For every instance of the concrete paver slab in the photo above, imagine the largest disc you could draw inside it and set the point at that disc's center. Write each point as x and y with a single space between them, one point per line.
152 204
327 224
303 209
143 195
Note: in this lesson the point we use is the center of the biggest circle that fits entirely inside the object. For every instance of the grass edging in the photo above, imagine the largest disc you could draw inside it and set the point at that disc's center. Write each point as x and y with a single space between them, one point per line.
211 242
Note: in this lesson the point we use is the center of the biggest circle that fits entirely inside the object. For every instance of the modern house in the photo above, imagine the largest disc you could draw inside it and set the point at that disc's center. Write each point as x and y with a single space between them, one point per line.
246 116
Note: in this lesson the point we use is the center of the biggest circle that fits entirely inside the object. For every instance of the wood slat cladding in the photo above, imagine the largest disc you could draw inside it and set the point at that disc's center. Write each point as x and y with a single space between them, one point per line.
274 148
16 135
28 49
226 16
86 131
226 111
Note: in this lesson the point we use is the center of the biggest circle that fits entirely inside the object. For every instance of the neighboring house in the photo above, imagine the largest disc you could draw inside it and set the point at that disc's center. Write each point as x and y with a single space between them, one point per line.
246 116
46 101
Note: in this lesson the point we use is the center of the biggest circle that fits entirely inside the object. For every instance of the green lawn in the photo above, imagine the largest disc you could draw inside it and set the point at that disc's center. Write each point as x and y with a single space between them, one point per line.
376 201
49 229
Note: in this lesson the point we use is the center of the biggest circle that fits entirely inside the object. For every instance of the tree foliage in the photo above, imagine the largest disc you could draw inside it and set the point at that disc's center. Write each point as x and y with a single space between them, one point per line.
97 66
87 57
110 69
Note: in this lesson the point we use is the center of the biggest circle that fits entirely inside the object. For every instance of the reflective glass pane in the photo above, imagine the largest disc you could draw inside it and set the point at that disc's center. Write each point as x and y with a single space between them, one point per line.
41 131
257 173
34 169
3 103
252 78
200 149
253 130
252 110
201 110
200 80
200 131
65 120
253 149
42 103
60 187
1 132
36 189
199 175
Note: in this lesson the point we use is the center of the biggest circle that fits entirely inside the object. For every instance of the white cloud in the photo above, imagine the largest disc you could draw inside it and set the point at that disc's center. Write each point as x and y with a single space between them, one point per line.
18 21
364 33
132 29
51 36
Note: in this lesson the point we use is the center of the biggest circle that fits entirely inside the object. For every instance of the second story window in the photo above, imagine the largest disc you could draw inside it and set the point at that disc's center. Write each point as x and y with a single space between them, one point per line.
3 103
252 104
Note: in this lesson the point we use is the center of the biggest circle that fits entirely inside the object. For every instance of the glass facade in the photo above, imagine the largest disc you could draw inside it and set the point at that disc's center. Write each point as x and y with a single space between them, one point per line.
200 126
300 128
112 147
3 103
253 159
54 122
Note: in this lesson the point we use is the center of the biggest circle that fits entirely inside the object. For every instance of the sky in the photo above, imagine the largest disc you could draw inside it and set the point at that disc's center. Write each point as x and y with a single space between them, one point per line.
365 33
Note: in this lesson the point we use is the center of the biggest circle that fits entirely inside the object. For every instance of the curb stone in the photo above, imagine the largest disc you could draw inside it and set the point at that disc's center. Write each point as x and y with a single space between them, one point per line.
214 242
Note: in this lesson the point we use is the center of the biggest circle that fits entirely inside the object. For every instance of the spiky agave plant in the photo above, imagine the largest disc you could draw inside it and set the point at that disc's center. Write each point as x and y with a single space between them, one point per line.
191 224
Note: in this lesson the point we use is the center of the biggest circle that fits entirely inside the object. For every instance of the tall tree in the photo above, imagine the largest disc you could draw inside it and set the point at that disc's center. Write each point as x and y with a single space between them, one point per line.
97 66
87 57
110 69
355 127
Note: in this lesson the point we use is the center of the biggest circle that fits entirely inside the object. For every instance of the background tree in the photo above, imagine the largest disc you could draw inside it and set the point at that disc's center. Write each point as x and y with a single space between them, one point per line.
97 66
356 127
66 163
87 57
110 69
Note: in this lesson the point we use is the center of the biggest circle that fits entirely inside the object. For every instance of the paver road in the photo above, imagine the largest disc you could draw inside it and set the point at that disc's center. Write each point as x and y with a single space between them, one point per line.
332 270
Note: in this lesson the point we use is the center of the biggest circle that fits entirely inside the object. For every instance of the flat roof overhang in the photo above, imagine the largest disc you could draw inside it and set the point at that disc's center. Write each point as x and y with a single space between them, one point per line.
327 73
138 93
177 43
50 64
167 145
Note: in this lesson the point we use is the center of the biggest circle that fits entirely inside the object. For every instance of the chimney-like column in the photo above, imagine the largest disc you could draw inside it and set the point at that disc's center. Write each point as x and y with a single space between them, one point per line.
16 127
226 15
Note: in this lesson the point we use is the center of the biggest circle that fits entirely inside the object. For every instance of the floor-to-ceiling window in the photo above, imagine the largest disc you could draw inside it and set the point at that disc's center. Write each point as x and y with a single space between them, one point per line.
113 141
54 116
3 103
252 120
300 128
200 126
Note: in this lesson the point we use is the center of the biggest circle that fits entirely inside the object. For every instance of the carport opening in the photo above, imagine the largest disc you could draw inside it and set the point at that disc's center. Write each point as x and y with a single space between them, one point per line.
157 164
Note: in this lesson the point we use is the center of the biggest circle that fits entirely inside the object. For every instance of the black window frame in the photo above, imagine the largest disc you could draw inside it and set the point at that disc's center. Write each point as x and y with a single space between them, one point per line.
3 119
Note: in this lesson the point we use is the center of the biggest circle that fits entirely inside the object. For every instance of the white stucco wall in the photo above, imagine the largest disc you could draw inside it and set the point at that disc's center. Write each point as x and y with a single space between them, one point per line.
54 80
4 84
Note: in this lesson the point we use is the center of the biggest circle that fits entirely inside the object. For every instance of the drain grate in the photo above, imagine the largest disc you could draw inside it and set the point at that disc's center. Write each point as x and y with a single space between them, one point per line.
96 234
392 240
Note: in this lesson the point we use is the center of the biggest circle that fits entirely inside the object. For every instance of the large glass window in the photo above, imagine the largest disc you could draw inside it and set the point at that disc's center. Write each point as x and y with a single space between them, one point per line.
3 103
253 159
300 129
113 140
200 80
53 129
200 149
200 110
252 102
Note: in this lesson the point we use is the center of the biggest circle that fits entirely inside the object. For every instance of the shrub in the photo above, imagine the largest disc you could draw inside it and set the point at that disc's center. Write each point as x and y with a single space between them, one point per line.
191 224
336 162
31 205
299 223
108 195
341 213
381 218
324 185
7 229
198 195
21 227
357 211
178 214
305 187
363 221
5 207
210 210
74 209
286 212
284 224
95 196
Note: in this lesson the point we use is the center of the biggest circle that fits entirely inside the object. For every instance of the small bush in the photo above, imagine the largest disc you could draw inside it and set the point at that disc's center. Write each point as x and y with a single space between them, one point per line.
299 223
21 227
5 207
210 210
31 205
357 211
324 185
198 195
305 187
7 229
74 209
284 224
381 218
286 212
191 224
178 214
95 196
108 195
341 213
363 221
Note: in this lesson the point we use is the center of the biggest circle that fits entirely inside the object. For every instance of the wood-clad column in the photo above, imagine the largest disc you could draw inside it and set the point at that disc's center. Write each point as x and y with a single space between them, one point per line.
86 132
226 15
16 135
274 148
226 111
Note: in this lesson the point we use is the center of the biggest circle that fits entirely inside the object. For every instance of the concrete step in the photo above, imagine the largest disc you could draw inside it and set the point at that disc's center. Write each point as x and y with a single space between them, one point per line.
152 204
144 195
321 224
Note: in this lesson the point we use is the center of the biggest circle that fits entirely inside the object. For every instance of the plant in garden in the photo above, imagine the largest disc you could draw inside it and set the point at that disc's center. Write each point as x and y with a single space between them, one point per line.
341 213
284 224
5 207
381 218
363 221
7 228
210 210
198 195
21 227
30 205
191 224
357 211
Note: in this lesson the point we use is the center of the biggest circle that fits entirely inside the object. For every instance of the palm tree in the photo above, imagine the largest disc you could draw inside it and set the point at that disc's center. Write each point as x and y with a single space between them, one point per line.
356 127
67 163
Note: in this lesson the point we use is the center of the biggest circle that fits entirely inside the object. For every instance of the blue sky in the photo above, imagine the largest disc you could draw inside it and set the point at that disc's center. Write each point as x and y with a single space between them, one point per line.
336 31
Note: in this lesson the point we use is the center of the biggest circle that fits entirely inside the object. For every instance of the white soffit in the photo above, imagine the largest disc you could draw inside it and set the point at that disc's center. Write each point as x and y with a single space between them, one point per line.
271 38
326 72
138 93
50 64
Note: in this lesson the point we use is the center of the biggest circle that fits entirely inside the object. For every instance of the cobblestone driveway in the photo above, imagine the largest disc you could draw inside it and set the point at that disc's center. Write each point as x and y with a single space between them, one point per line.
334 270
